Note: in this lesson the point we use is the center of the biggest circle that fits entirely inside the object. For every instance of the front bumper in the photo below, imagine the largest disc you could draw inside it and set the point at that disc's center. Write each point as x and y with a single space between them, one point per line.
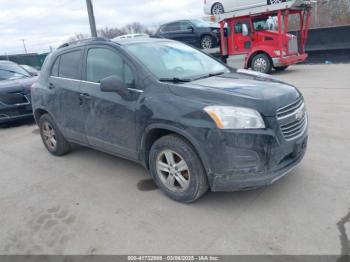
251 159
288 60
14 112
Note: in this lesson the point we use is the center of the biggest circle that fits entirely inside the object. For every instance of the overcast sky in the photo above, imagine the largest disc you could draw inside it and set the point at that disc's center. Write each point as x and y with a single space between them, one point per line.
50 22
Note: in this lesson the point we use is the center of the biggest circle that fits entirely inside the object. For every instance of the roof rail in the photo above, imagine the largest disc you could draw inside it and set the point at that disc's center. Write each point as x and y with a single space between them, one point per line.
84 40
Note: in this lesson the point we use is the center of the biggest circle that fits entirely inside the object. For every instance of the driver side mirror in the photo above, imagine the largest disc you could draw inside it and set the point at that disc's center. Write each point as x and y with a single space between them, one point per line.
114 84
245 30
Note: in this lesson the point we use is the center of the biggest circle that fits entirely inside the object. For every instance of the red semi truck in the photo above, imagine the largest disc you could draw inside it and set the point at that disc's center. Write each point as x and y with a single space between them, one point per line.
260 35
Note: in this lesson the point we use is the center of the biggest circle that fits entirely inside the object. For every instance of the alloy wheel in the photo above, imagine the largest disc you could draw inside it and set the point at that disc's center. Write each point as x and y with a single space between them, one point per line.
173 171
206 42
274 2
217 9
49 135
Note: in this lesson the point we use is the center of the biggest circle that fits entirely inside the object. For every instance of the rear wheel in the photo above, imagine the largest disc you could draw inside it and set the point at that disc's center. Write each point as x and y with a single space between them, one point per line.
177 170
281 68
217 9
274 2
261 63
207 42
53 139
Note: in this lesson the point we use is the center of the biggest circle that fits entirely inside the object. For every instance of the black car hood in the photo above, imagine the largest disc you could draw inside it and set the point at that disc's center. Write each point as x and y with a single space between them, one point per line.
17 85
246 89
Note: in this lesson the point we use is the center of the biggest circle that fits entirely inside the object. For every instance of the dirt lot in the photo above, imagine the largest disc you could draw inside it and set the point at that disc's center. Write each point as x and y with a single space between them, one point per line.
91 203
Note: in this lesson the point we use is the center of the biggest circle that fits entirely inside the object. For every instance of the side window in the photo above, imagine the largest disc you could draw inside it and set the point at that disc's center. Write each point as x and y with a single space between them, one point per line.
54 70
102 63
184 26
69 65
173 27
239 27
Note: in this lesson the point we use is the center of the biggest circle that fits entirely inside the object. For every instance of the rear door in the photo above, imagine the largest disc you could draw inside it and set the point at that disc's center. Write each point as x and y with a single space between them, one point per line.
65 85
110 122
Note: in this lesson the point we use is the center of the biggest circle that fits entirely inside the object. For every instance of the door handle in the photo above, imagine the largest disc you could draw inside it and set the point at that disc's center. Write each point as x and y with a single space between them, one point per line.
51 86
85 96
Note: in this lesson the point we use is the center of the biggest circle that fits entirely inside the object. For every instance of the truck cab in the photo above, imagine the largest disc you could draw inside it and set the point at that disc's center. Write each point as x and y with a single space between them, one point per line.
262 39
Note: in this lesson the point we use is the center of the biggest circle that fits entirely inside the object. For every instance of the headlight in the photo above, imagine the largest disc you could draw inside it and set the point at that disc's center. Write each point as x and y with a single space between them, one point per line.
230 117
278 52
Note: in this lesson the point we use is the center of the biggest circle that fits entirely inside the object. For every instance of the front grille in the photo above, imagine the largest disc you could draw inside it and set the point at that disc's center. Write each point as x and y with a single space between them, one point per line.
293 45
13 99
292 119
289 109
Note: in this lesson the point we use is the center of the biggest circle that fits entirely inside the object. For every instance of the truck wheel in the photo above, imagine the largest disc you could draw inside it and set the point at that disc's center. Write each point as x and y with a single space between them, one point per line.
217 9
280 68
177 170
261 63
207 42
53 139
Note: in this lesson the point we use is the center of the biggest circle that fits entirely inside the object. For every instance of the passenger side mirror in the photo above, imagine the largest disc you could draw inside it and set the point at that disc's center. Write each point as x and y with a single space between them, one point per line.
190 28
245 30
114 84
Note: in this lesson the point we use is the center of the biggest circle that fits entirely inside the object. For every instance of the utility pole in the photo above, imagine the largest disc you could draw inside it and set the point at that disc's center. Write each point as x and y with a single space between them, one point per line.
24 46
90 10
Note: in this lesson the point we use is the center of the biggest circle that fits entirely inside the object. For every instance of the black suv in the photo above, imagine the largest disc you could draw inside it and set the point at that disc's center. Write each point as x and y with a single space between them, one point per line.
193 122
195 32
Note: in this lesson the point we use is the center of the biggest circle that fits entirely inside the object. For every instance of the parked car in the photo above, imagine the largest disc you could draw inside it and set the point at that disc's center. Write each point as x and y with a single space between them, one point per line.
195 32
216 7
193 122
15 99
32 70
130 36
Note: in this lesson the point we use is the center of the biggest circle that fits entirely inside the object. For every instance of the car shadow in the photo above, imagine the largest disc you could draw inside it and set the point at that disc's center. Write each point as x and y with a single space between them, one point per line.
142 181
17 123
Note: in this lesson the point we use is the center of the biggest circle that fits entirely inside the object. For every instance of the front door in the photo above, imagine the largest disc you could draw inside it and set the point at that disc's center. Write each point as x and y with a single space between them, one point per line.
110 123
242 43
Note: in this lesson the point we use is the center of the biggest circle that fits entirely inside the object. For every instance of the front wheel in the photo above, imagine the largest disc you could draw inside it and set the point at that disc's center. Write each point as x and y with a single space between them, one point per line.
261 63
177 170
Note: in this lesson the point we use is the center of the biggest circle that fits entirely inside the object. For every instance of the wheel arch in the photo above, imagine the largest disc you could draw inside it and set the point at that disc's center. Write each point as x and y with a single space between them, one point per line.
38 113
253 54
154 132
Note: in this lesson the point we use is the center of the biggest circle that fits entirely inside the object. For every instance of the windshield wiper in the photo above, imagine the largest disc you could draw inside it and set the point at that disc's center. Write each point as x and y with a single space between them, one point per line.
210 75
175 80
13 72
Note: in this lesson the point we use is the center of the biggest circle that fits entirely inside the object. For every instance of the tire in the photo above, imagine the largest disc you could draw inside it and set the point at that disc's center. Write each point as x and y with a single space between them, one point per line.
261 63
184 182
52 137
207 42
217 9
274 2
280 68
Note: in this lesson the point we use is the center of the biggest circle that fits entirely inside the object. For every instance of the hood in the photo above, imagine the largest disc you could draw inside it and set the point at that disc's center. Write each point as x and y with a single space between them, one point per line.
242 88
18 84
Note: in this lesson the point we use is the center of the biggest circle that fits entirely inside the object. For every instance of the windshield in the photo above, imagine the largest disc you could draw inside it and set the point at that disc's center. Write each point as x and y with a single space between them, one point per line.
200 23
11 71
168 60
